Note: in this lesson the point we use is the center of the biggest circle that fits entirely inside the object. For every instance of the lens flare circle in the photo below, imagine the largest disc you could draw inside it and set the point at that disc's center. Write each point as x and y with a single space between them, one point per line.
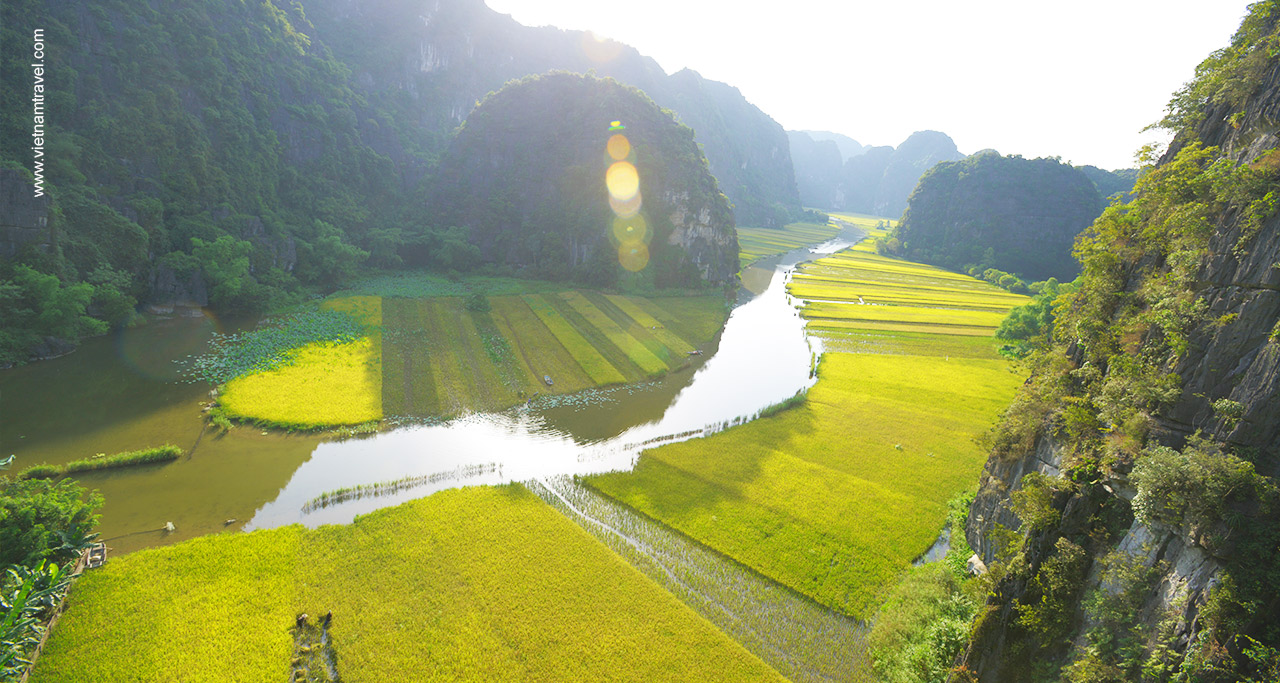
623 181
633 256
619 147
631 229
626 209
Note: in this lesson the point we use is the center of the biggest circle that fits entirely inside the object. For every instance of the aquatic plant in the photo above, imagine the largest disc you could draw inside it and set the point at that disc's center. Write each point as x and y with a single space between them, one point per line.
271 345
144 456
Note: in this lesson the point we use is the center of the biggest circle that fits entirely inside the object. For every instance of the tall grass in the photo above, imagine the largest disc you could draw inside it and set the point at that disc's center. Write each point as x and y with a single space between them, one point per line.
145 456
270 347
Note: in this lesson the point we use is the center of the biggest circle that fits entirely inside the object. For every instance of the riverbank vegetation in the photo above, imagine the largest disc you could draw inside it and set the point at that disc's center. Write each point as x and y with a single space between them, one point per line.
44 525
478 583
836 496
165 453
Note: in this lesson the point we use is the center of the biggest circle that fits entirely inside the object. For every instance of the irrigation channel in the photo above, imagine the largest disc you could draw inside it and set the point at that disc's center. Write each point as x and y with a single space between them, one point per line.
118 392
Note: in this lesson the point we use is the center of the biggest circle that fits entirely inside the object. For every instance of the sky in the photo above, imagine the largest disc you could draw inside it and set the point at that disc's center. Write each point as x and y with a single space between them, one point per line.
1078 79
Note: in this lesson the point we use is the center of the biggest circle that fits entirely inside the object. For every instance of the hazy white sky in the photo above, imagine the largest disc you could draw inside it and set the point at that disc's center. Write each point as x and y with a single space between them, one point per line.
1076 79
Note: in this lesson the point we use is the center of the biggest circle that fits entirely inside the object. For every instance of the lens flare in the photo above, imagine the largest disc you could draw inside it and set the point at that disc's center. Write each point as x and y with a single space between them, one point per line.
623 181
633 256
630 230
619 147
625 209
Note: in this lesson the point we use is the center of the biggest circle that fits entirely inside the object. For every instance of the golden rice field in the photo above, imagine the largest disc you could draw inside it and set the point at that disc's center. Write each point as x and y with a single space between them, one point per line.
432 357
485 583
835 498
325 384
757 243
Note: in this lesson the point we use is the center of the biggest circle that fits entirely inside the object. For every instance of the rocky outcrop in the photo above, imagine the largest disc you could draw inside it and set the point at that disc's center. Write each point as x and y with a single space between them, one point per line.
1228 391
875 180
24 218
917 154
700 232
439 58
1014 214
818 165
526 176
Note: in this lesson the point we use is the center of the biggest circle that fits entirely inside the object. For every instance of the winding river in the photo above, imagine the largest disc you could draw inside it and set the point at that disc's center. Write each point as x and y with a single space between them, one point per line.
125 392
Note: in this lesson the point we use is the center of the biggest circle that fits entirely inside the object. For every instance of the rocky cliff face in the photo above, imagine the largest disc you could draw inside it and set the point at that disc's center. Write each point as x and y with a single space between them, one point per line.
818 164
526 175
1149 436
24 218
438 58
875 180
917 154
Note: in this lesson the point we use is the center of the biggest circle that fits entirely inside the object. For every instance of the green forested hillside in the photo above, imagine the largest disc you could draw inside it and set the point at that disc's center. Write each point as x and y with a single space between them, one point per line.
190 141
526 176
1129 512
1009 213
239 155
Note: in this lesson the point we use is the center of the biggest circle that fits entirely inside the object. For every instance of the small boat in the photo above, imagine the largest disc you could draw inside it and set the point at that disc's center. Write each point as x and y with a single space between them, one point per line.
547 379
4 464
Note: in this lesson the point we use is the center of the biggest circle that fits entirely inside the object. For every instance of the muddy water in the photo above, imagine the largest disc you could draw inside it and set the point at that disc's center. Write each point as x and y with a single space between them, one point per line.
122 392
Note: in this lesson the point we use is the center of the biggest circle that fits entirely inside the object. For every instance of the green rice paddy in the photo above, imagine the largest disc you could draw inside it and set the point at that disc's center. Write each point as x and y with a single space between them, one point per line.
432 356
484 583
834 498
757 243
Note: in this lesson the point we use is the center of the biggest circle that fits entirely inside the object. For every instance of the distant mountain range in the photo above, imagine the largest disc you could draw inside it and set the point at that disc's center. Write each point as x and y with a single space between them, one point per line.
835 172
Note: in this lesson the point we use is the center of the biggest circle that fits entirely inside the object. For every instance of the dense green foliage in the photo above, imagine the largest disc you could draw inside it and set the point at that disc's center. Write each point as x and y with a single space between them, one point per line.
42 519
926 619
526 175
988 211
1104 356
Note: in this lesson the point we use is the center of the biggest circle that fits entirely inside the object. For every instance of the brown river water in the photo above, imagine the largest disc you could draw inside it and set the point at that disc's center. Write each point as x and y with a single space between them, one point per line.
124 391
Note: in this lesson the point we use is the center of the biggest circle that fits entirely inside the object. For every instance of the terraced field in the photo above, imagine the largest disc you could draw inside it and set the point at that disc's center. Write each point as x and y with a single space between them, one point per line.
433 356
859 301
834 498
484 583
757 243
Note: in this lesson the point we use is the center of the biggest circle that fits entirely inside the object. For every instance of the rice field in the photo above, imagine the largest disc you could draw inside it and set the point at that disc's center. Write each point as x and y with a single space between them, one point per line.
757 243
323 384
835 497
429 357
485 583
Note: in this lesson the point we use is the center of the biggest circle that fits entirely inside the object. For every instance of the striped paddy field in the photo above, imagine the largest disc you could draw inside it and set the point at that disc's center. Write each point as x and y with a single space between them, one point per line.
433 357
857 300
835 497
757 243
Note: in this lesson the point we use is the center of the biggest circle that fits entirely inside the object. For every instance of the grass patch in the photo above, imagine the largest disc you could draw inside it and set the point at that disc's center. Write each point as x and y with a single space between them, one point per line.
538 351
820 497
484 583
757 243
146 456
633 309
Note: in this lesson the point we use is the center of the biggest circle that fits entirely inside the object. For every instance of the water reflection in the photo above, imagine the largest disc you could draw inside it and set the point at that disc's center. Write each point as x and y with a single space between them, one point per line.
763 357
